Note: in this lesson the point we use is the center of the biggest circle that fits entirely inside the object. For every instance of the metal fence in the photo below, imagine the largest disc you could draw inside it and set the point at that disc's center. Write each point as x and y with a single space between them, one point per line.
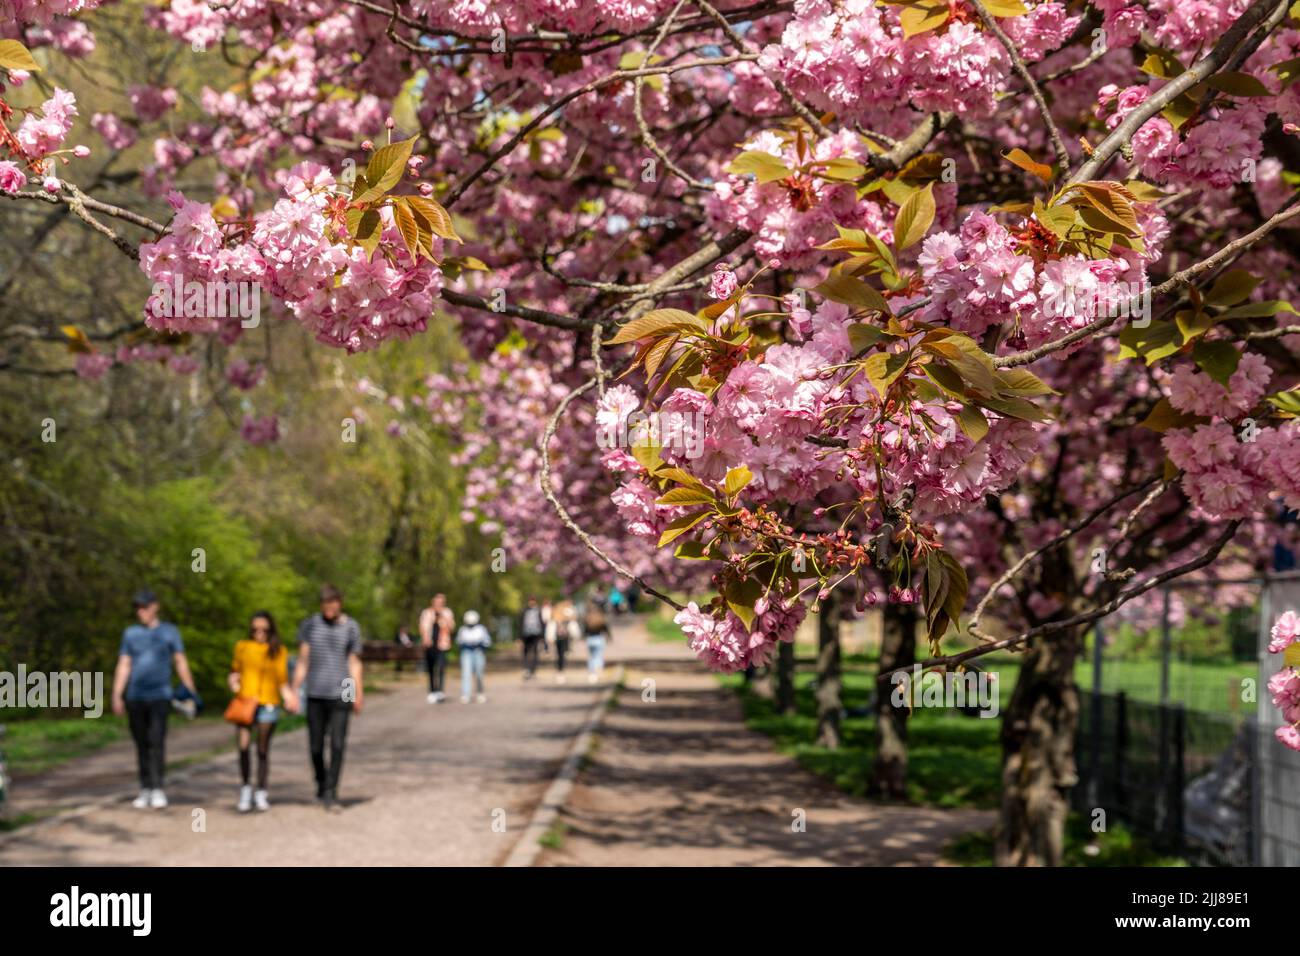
1210 784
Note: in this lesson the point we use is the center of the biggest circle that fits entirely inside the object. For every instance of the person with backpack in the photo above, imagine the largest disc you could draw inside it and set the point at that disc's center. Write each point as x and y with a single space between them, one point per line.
595 628
473 639
532 632
142 689
562 629
437 622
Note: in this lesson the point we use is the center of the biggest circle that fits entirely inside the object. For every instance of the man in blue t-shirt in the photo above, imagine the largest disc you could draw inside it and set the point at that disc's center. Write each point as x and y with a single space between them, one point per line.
142 688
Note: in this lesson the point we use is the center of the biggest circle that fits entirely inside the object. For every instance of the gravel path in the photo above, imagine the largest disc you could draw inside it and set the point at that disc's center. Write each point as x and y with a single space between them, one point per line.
681 781
422 784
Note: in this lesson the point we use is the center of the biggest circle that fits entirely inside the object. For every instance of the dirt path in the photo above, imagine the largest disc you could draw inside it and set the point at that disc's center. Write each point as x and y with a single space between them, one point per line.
681 781
422 784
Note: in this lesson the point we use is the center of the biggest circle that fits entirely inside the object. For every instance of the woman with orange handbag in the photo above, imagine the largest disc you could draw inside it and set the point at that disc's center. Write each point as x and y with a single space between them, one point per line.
259 678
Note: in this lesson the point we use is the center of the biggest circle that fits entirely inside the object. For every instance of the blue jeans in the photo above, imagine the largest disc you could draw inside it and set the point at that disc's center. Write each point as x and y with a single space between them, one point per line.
595 653
473 662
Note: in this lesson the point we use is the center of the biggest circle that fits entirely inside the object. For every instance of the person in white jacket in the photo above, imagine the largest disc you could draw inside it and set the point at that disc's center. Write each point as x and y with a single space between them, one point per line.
473 639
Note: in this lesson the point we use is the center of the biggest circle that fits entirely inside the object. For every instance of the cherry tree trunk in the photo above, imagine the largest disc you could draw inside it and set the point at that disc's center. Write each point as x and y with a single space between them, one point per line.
785 678
1038 768
828 673
897 649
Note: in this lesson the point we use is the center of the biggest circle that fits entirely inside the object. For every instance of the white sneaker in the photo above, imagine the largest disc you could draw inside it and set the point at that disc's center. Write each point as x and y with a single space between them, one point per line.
482 698
432 698
141 802
464 699
157 799
245 799
441 697
260 801
560 678
592 677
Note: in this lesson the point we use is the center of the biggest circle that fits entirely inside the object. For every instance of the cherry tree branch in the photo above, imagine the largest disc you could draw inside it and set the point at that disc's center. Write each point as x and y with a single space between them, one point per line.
1202 70
1109 607
1177 281
1018 64
549 492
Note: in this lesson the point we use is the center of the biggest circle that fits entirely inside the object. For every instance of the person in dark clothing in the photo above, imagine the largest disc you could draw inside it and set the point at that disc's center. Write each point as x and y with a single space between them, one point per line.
437 624
142 689
532 632
329 663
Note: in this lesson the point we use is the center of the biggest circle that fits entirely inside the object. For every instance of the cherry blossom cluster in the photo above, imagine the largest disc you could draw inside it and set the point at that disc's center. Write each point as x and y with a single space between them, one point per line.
299 252
853 59
1285 684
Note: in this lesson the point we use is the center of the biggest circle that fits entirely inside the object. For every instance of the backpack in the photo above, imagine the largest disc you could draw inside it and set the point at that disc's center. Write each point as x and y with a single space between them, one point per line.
533 625
594 620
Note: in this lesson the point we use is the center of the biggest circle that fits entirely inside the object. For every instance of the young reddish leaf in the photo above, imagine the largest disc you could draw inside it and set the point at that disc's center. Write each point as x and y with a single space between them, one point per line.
850 291
1022 159
14 56
655 321
679 526
765 167
385 169
736 480
439 219
914 218
685 496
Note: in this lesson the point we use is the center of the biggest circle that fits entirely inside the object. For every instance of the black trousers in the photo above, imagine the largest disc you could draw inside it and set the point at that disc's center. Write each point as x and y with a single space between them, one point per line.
148 722
327 717
532 648
436 663
561 650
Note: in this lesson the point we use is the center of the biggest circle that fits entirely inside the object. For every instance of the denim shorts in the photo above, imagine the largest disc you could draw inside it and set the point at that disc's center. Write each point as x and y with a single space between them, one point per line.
266 714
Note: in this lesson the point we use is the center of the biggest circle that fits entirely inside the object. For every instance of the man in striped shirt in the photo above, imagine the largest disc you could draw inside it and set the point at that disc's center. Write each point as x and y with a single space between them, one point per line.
329 663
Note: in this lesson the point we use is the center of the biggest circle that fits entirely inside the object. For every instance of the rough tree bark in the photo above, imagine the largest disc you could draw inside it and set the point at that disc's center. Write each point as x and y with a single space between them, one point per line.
897 649
1038 732
828 673
785 678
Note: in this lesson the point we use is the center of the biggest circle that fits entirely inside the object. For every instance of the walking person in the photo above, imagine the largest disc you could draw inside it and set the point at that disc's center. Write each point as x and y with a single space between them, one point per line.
532 632
329 663
595 628
259 673
561 631
437 624
142 689
473 639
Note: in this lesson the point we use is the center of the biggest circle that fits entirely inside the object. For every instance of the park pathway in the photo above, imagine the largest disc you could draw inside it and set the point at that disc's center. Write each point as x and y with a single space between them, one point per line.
681 781
674 781
431 785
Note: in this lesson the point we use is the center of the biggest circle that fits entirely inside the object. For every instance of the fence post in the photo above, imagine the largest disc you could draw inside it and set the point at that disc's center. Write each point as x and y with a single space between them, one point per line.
1121 750
1166 648
1177 779
1094 730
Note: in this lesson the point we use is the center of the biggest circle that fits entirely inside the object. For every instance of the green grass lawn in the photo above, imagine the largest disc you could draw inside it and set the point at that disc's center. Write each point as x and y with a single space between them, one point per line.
954 760
662 630
33 746
37 745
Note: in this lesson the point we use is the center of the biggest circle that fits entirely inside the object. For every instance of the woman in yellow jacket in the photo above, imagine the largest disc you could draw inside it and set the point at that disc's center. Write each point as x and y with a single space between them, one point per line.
260 669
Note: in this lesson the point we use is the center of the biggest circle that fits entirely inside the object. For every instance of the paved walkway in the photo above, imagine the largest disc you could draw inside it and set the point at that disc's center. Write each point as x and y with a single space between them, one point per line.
677 781
680 781
422 784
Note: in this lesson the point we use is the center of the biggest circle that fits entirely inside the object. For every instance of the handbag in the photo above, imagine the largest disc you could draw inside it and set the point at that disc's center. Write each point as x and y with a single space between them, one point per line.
241 711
